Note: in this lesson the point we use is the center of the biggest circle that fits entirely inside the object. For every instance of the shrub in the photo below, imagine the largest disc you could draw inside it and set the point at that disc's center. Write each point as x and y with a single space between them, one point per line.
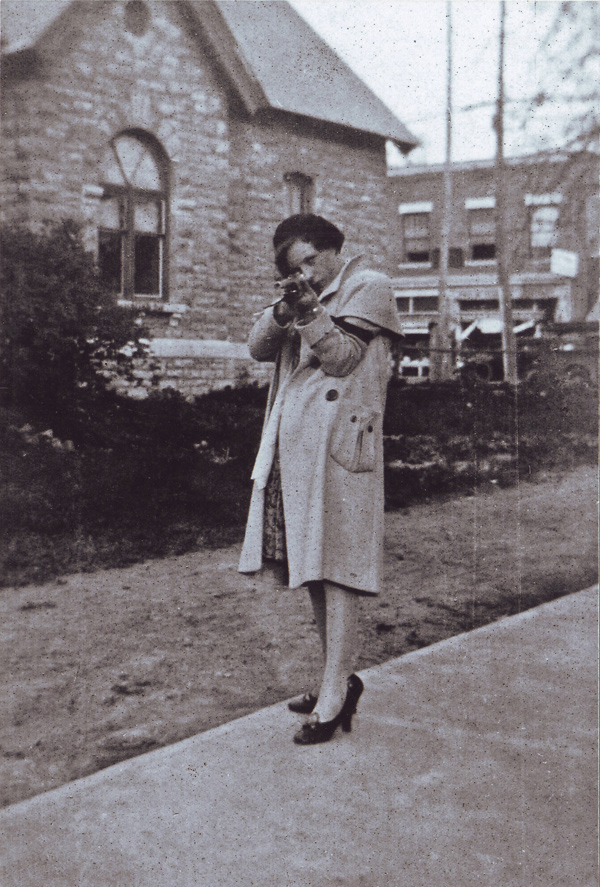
61 328
160 476
145 478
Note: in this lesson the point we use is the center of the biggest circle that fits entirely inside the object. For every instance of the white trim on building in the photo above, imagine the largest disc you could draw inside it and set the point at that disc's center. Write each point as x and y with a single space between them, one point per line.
422 206
543 199
480 202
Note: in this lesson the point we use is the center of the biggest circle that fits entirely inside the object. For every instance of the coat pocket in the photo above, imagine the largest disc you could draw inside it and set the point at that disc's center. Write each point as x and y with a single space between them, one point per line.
353 439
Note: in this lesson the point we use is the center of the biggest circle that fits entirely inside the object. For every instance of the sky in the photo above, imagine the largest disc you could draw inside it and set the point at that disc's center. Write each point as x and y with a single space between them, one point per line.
398 47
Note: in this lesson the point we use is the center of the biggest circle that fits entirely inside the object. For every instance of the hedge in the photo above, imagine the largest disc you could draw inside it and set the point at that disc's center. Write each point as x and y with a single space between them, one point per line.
129 479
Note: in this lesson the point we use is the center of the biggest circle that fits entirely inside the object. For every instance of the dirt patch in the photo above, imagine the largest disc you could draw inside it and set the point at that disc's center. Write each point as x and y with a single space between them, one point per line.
100 667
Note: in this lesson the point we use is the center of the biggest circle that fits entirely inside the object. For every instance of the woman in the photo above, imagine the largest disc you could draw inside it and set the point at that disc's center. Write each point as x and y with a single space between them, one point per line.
317 501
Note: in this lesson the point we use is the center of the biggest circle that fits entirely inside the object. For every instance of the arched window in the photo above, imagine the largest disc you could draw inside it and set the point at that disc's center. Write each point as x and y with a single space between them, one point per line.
132 231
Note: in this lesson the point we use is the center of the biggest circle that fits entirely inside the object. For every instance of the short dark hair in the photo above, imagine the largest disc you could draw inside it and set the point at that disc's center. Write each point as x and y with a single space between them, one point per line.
306 227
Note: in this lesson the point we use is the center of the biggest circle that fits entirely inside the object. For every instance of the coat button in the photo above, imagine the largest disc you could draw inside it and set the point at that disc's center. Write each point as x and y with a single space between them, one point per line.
332 394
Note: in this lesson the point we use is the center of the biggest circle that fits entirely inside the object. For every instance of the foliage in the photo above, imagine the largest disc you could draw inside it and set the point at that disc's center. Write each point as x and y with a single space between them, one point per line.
568 67
61 329
162 476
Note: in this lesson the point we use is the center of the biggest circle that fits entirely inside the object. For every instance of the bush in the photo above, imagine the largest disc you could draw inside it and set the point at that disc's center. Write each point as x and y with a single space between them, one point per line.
61 328
161 476
145 479
450 436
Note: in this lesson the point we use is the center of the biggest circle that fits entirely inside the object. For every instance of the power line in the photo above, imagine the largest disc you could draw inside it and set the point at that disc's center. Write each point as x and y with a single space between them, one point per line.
474 106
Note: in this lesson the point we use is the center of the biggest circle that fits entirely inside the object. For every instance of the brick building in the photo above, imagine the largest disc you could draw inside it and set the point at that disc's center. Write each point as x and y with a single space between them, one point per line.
179 134
552 227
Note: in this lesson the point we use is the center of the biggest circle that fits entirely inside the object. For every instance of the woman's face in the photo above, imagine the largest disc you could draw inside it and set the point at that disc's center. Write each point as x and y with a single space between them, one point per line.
320 267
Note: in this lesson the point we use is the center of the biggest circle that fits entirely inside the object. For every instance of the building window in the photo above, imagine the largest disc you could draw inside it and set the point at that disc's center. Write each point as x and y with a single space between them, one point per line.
481 222
416 238
479 304
416 233
456 257
543 229
132 230
482 234
524 304
418 302
300 192
426 304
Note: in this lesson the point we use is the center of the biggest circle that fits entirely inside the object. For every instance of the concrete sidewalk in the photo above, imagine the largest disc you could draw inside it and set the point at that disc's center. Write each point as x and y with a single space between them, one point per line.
471 762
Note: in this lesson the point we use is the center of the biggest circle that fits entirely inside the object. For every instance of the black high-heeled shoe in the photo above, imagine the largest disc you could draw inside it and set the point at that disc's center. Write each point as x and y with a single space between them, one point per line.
312 733
304 705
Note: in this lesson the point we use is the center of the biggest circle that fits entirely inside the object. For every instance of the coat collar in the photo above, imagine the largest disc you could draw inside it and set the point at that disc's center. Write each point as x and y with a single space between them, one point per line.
337 282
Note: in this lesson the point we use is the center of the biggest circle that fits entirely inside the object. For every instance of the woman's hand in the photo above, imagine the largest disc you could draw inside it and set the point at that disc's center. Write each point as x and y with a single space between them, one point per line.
297 304
283 313
307 303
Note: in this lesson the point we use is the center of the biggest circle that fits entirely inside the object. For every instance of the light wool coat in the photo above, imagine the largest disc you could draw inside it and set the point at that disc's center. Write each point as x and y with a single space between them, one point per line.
326 414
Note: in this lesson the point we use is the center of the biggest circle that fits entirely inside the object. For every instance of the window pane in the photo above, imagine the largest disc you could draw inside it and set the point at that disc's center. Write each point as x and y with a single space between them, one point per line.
416 237
300 190
417 255
110 259
426 303
147 175
147 265
482 234
138 164
416 225
455 257
481 251
147 218
110 169
128 161
482 224
478 304
112 214
543 226
130 152
482 229
403 304
295 197
417 244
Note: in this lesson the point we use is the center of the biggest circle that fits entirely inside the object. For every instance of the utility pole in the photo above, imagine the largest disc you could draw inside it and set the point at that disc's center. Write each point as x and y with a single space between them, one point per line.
443 339
509 351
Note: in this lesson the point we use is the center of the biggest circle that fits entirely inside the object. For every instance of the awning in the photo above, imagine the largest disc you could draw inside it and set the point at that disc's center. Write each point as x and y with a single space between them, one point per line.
526 325
491 326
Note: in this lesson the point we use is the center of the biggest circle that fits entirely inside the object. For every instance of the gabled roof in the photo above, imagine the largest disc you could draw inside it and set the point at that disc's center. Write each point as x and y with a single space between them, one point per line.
24 21
298 72
273 58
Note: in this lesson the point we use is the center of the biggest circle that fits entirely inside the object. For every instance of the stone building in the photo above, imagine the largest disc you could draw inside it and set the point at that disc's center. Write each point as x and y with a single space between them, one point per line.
179 134
552 240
